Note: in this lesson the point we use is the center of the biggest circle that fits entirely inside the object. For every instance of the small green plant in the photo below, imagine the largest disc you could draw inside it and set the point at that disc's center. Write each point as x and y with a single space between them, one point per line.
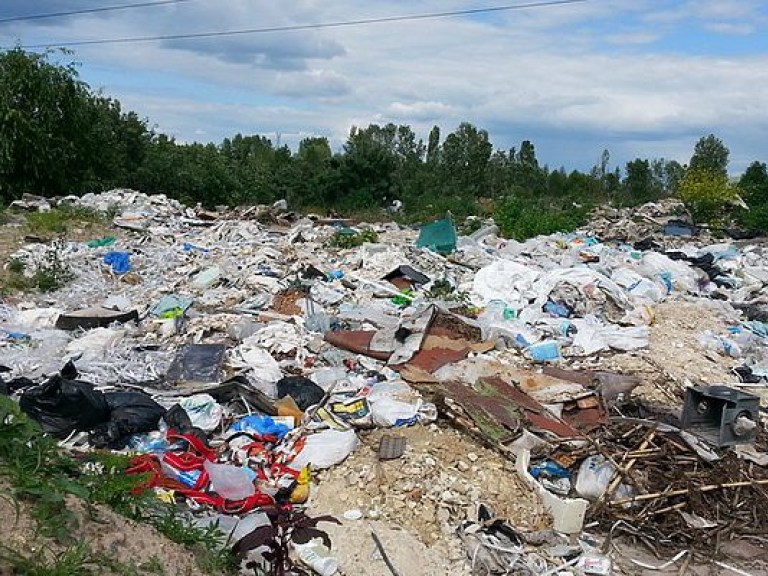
444 290
43 476
75 560
154 565
59 220
470 226
287 526
16 266
348 238
52 273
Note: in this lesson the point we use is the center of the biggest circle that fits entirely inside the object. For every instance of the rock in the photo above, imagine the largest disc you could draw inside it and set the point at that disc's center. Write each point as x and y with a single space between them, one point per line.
443 516
742 550
472 457
462 466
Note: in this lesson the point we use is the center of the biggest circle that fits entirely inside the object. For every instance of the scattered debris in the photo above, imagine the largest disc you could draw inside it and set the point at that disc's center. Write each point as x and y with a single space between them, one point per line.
252 364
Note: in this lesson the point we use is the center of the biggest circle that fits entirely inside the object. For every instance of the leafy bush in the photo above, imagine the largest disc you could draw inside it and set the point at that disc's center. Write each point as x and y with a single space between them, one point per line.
755 219
522 220
53 272
348 238
708 195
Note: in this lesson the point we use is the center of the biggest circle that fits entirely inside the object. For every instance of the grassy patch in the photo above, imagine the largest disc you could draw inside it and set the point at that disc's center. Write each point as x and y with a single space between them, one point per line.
520 219
60 220
75 560
43 476
348 238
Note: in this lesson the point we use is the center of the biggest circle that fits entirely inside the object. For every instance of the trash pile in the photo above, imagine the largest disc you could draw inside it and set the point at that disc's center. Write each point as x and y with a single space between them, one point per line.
235 353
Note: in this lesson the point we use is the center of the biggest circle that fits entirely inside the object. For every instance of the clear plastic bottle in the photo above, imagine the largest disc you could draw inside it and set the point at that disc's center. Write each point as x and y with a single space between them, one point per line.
319 558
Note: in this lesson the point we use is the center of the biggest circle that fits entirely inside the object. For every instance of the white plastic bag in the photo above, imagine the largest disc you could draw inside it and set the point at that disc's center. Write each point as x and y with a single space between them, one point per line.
394 404
229 481
595 473
204 412
325 449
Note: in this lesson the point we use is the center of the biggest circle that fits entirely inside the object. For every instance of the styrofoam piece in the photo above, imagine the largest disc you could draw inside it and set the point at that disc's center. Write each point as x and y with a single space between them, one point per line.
567 513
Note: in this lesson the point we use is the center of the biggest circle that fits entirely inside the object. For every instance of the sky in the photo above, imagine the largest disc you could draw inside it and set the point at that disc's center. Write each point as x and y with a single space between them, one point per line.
640 78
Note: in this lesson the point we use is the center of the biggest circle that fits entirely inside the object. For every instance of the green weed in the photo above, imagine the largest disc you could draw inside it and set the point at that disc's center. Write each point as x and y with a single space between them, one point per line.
444 290
75 560
154 565
43 476
470 226
16 266
53 272
348 238
520 219
59 220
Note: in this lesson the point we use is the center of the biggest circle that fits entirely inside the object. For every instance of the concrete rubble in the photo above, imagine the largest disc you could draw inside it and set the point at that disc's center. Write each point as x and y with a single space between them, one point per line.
537 388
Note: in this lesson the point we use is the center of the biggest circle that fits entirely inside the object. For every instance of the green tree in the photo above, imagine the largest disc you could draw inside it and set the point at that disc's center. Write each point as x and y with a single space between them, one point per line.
640 183
465 156
433 146
667 175
710 155
753 186
41 120
57 136
707 195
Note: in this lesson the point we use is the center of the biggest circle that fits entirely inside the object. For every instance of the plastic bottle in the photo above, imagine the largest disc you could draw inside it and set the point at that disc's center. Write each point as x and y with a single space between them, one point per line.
318 557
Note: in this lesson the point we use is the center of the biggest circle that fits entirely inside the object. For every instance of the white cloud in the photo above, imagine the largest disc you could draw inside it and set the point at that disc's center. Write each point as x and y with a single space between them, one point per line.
741 29
633 38
537 74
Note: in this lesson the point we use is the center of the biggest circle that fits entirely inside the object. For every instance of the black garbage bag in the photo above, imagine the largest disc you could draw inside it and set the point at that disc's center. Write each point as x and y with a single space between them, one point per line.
62 405
303 391
130 413
178 421
12 386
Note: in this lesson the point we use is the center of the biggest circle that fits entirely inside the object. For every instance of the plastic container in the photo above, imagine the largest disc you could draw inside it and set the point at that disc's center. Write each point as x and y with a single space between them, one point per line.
545 352
318 558
207 277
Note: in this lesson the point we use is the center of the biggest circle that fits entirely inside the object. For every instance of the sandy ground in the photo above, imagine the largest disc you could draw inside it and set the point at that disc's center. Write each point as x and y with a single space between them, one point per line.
138 548
414 503
674 358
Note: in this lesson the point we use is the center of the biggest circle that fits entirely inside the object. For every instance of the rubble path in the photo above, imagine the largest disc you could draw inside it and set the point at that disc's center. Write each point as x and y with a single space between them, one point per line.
134 548
415 503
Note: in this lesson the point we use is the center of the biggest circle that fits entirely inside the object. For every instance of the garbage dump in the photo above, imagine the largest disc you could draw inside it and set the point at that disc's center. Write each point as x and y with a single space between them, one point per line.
610 382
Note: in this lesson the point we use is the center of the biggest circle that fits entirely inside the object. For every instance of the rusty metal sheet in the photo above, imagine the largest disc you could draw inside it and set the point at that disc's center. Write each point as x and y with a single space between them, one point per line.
357 341
583 377
500 410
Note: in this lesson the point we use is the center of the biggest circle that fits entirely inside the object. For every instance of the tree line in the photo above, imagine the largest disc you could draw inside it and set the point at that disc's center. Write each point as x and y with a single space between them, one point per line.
58 136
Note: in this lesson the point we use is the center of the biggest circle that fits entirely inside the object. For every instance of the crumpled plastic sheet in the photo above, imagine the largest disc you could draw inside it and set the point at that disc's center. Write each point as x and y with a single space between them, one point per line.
124 365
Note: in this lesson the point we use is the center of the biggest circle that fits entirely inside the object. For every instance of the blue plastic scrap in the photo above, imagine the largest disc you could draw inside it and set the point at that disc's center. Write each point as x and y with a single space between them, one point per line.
549 469
556 310
120 262
170 302
260 425
189 247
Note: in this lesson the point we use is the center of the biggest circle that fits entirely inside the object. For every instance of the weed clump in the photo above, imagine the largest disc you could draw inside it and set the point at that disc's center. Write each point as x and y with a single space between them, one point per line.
348 238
